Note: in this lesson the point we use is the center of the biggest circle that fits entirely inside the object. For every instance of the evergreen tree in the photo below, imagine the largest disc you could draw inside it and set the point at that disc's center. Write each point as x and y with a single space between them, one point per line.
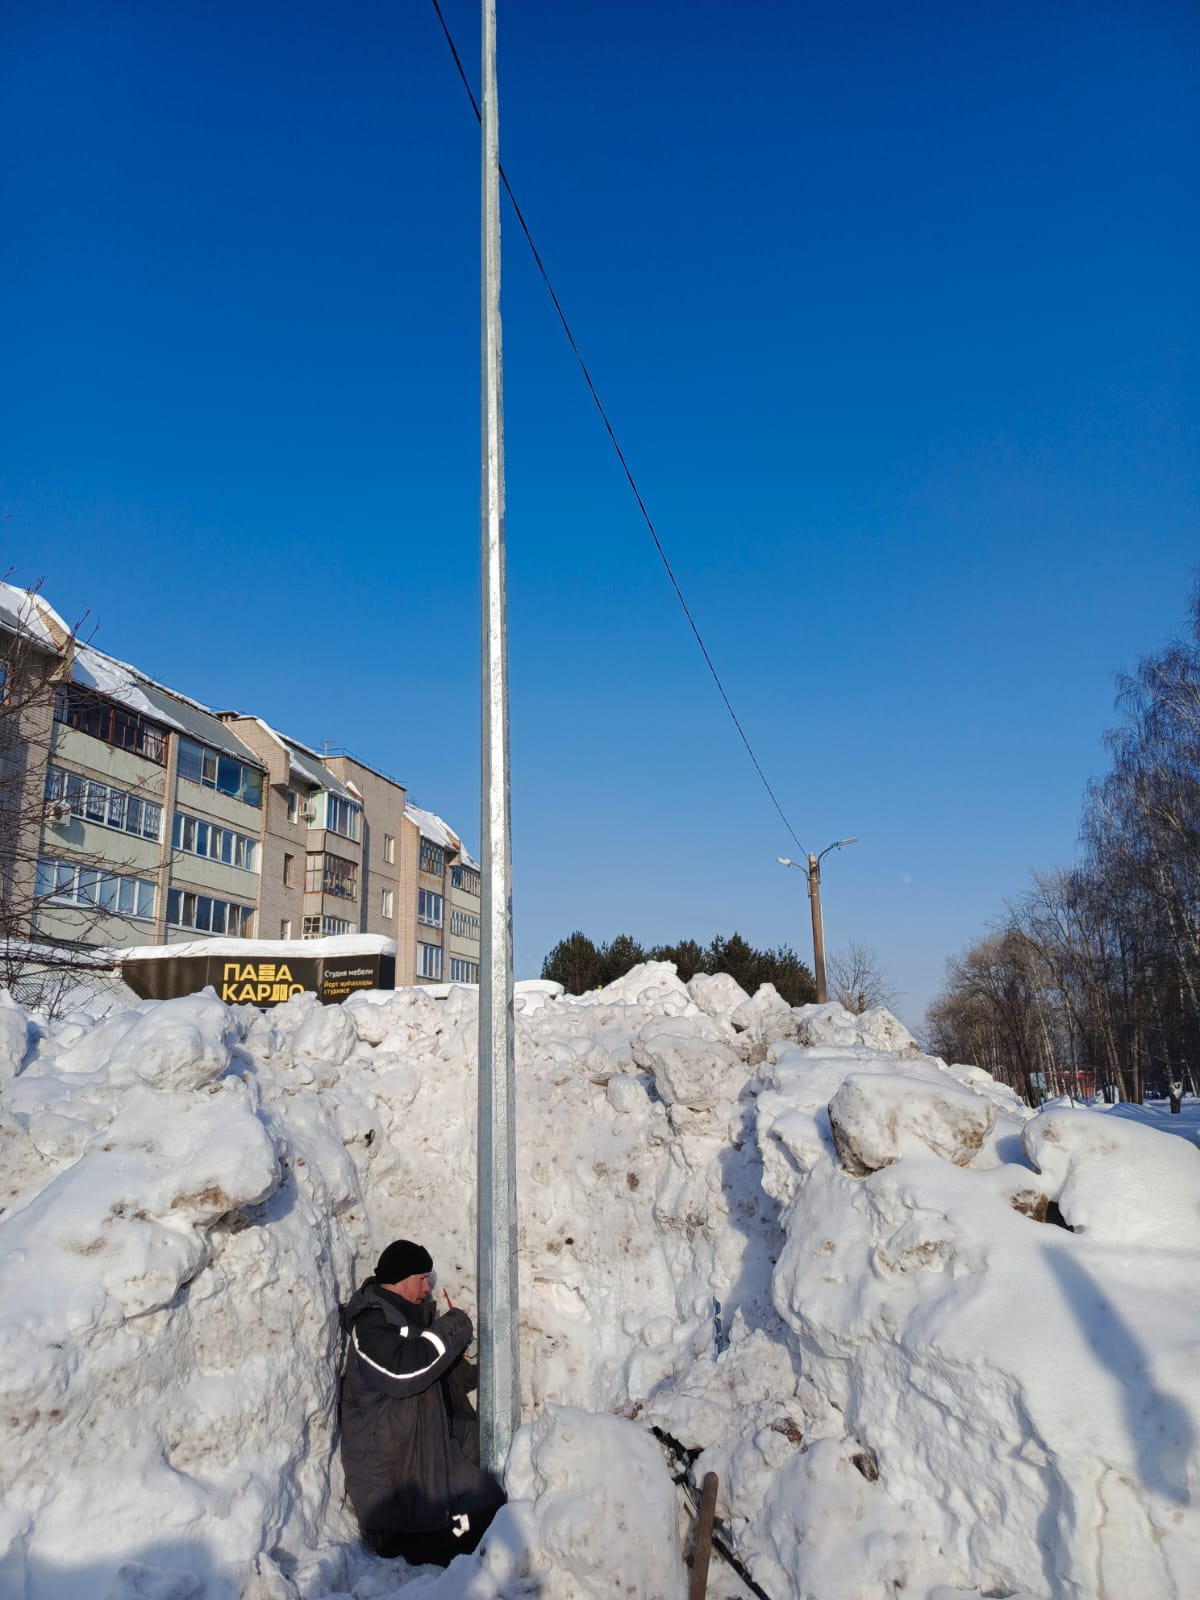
617 958
784 968
737 958
687 956
575 963
578 964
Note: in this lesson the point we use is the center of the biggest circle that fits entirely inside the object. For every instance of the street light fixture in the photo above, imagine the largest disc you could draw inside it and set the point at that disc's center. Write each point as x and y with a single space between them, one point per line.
814 894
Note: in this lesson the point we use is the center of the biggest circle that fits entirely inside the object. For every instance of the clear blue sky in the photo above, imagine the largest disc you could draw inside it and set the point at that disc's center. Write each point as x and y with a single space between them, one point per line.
893 309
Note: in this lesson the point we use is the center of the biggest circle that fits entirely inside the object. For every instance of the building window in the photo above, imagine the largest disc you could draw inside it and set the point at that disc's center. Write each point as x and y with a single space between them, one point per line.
429 908
289 871
433 858
80 708
429 961
465 924
387 903
312 927
342 816
201 765
285 927
326 927
463 971
200 838
329 874
465 878
293 806
72 884
110 808
389 849
207 914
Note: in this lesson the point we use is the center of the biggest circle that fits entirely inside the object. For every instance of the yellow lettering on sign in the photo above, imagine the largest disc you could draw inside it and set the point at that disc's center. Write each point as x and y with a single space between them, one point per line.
227 990
283 974
231 971
264 991
247 992
266 972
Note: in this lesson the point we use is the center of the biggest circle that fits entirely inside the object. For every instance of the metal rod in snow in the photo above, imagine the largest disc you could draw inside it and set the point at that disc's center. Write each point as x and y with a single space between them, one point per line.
499 1364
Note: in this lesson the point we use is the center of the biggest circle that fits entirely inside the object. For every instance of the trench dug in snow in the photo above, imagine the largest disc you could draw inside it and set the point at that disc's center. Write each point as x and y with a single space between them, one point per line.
912 1384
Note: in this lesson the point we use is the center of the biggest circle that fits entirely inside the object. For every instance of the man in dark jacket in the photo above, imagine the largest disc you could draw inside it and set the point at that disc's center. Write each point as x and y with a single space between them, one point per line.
410 1436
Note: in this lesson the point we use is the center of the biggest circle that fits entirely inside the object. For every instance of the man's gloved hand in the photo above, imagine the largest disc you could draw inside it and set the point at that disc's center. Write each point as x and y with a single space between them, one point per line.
454 1327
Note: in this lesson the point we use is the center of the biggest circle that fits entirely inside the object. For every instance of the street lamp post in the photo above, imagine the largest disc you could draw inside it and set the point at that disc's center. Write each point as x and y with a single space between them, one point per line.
499 1319
814 894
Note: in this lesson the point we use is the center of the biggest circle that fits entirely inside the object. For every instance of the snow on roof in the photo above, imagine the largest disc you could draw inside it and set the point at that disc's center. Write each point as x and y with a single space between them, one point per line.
313 770
129 687
27 613
432 827
305 762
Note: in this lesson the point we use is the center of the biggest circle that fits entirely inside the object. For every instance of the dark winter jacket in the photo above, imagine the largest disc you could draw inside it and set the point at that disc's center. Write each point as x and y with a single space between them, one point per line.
410 1438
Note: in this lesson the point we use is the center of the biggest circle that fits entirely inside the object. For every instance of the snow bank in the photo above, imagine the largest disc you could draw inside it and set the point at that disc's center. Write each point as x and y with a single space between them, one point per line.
815 1260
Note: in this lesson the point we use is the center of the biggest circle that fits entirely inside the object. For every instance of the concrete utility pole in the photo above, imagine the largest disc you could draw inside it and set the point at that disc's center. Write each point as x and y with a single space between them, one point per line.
499 1358
814 895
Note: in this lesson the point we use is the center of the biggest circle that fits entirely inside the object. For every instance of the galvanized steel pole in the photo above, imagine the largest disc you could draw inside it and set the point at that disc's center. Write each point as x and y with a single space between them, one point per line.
499 1360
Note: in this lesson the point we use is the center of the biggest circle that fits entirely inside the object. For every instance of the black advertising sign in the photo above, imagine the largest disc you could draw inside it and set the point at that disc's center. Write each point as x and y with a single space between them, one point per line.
257 981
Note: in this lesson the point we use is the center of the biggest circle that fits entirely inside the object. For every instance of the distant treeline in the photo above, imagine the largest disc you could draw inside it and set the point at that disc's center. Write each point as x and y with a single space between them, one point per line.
579 965
1095 969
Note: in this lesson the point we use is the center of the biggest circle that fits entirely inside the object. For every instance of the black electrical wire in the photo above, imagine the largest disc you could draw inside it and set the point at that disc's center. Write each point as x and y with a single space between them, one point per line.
679 1464
587 378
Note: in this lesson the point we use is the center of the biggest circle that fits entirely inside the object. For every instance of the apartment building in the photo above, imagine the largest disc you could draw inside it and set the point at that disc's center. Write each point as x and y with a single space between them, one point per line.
313 830
139 814
131 814
447 899
383 903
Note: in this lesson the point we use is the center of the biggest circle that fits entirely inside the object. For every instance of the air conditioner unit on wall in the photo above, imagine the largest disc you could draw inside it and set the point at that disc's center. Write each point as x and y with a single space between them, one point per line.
58 813
308 812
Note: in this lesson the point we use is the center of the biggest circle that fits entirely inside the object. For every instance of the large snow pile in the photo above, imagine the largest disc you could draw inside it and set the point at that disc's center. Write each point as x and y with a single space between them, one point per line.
824 1265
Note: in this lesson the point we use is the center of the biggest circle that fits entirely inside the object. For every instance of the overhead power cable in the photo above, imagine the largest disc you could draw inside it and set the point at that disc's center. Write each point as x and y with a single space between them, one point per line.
608 428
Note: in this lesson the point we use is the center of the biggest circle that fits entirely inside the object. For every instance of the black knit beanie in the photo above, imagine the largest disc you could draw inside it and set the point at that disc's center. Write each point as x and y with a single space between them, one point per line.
402 1259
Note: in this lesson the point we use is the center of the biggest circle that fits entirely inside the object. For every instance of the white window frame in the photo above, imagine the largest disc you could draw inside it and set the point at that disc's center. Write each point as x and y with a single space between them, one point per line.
430 908
189 833
103 806
343 817
429 961
249 787
187 904
75 883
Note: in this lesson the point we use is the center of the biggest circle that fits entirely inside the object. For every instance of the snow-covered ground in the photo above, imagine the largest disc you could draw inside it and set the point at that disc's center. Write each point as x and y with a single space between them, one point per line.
824 1264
